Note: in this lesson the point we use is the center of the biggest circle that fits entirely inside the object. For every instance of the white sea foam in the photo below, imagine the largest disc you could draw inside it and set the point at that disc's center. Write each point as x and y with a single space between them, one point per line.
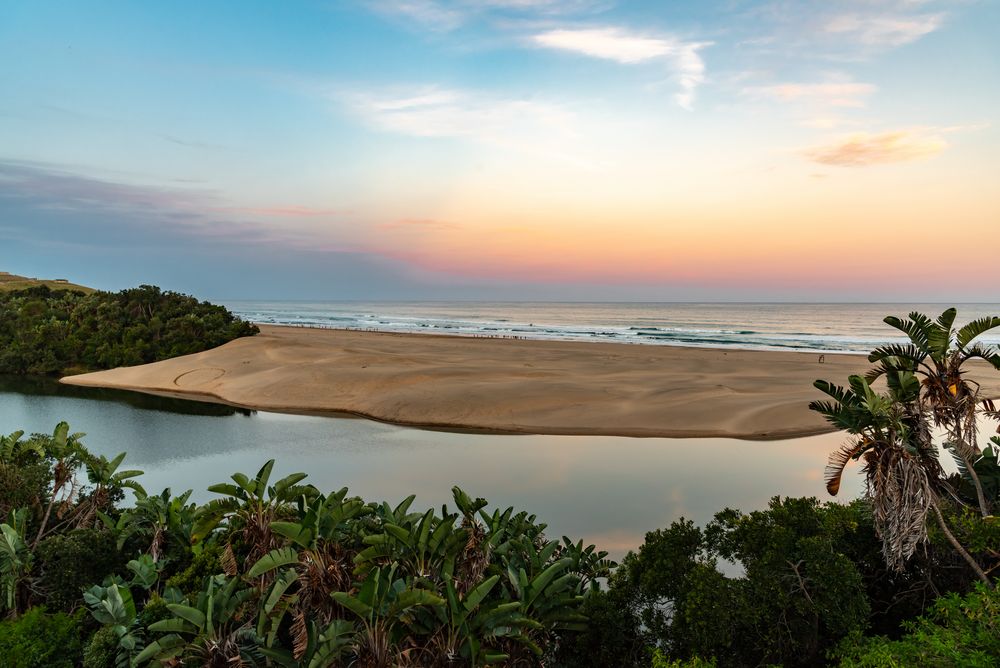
809 327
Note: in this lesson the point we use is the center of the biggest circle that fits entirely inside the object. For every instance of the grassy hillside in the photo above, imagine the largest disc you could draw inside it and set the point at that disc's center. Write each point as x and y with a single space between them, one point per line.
9 282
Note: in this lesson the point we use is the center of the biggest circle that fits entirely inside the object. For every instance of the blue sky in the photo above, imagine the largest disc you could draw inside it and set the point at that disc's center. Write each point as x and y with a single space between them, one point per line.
514 149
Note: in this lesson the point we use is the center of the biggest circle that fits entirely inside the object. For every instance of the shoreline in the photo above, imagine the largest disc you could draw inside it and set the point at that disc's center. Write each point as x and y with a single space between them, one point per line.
506 386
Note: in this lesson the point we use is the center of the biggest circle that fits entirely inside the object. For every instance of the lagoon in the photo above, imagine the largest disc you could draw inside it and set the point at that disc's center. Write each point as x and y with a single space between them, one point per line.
606 490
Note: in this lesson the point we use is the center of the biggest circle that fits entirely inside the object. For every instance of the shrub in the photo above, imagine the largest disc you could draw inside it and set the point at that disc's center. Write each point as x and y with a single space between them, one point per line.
69 563
102 649
957 631
40 640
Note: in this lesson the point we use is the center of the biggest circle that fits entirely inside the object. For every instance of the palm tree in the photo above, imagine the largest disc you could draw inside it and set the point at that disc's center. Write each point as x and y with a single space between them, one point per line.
384 605
318 562
937 353
903 477
210 633
158 521
249 508
67 453
108 483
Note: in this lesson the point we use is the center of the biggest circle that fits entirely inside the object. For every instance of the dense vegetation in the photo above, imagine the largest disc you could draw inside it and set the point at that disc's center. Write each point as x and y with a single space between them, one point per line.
273 572
277 573
44 331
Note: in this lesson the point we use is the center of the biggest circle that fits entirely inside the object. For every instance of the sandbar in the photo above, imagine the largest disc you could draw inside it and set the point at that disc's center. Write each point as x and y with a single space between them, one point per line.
507 385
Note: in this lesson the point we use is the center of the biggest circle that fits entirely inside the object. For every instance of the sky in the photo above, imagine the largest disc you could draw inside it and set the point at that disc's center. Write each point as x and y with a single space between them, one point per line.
505 149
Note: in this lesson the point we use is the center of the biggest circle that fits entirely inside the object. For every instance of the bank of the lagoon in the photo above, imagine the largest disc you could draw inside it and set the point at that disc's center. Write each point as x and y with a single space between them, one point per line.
605 490
509 386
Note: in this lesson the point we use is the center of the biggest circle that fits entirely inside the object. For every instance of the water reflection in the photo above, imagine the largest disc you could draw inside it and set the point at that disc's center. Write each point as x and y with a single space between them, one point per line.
50 387
606 490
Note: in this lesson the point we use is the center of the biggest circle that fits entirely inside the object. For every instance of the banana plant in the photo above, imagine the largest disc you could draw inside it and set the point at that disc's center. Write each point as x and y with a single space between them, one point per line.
551 599
158 522
16 452
248 508
384 604
588 562
320 556
324 646
466 628
67 453
330 518
16 561
209 632
113 606
108 481
145 572
421 546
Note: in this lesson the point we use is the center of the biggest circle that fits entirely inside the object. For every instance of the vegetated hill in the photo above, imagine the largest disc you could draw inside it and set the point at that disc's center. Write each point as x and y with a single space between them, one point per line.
10 282
46 332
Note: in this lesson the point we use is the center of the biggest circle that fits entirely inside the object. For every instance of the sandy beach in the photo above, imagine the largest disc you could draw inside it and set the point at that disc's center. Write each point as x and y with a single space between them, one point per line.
504 385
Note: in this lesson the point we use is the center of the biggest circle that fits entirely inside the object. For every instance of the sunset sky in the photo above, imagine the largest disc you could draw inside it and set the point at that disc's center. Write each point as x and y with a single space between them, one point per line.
505 149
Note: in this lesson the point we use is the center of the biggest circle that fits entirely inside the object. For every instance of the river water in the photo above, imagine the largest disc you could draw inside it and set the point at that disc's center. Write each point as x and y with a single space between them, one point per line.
606 490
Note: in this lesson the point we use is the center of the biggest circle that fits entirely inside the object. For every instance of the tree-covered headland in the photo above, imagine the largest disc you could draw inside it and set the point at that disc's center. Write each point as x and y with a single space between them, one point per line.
46 332
274 572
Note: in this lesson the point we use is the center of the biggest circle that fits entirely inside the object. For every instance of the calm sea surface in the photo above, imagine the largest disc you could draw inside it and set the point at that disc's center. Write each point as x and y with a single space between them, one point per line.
606 490
813 327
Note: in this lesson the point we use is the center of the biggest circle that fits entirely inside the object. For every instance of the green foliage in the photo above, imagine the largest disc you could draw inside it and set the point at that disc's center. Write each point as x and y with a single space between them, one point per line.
958 631
41 640
101 650
661 661
205 563
51 332
798 597
335 581
69 563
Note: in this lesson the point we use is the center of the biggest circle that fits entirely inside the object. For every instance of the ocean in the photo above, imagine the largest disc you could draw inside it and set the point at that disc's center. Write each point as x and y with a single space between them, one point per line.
823 328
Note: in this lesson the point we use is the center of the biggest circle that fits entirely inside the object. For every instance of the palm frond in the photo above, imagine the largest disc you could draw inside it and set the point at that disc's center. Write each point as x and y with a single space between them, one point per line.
916 328
988 353
837 462
840 394
947 319
896 353
975 328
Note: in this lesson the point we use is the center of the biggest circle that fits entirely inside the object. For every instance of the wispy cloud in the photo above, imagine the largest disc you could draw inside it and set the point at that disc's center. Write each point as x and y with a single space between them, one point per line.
629 48
828 93
525 125
887 30
449 15
282 211
428 13
846 31
864 149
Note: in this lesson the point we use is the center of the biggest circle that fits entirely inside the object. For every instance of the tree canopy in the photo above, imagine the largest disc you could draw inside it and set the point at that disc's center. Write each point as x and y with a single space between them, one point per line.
49 332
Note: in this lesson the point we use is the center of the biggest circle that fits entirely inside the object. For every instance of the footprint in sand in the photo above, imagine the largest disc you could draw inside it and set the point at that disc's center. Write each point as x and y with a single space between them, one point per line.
196 377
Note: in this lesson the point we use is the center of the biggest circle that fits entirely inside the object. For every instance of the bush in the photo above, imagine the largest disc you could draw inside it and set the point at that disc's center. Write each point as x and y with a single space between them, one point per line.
957 631
102 649
40 640
70 563
799 597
